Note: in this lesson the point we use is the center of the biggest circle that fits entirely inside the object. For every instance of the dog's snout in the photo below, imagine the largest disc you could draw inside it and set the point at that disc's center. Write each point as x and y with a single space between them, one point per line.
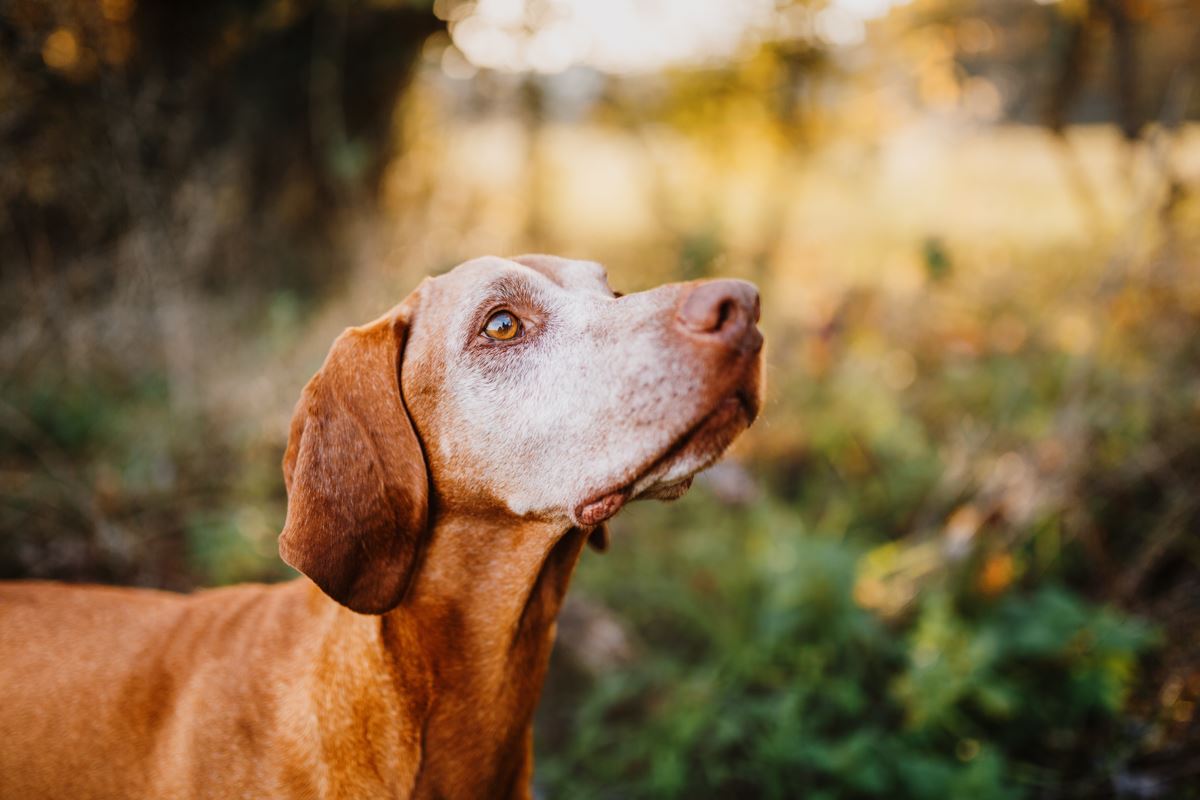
725 310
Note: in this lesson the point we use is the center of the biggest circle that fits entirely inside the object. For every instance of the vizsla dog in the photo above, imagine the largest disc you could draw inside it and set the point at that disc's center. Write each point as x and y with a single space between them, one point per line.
444 469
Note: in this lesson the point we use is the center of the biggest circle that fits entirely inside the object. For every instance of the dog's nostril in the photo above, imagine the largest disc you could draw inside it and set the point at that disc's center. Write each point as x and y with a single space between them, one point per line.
724 312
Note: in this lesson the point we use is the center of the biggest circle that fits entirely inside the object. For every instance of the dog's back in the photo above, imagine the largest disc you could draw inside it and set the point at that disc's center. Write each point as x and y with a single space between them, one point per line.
108 692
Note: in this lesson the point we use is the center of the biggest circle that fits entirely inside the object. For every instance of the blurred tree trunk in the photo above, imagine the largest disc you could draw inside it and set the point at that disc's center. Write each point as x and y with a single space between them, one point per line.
113 111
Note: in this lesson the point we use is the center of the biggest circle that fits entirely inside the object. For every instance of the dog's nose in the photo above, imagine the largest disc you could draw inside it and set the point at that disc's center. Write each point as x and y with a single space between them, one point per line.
725 310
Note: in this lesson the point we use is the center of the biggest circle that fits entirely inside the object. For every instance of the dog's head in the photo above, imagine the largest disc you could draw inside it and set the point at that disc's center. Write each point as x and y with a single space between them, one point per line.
522 387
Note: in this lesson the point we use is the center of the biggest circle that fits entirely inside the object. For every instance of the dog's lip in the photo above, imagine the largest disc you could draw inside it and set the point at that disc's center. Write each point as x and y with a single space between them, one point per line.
605 504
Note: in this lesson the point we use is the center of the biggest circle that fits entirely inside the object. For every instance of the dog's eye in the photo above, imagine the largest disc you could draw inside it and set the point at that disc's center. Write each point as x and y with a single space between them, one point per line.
502 326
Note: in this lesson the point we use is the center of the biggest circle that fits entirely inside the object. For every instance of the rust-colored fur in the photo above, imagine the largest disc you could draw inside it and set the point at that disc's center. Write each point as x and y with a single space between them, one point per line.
408 660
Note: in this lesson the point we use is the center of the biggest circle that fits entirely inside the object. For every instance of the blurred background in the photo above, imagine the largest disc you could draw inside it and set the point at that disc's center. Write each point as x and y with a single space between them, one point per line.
957 557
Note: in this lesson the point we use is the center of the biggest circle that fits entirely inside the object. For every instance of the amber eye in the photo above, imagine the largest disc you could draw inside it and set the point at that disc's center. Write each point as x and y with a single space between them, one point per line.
502 326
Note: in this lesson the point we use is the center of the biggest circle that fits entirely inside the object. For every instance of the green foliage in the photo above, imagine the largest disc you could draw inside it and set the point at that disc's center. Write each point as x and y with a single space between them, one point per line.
937 259
117 483
762 676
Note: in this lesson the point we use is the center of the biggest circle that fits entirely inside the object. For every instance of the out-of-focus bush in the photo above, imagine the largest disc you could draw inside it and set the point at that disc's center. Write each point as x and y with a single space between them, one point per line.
760 674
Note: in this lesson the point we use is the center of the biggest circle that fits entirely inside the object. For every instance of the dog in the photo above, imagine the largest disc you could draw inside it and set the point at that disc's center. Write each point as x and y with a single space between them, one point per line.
444 469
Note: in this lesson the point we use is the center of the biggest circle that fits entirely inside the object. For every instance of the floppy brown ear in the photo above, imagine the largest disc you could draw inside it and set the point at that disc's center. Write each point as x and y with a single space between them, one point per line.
358 494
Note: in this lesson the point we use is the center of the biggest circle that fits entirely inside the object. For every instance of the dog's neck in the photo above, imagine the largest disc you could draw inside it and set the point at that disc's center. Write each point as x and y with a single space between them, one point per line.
476 629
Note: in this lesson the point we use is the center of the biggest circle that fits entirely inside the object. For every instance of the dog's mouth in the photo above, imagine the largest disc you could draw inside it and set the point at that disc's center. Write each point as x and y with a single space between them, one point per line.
669 474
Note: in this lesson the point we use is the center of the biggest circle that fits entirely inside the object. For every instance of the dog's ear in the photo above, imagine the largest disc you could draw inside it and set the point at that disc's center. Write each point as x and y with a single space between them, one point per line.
358 494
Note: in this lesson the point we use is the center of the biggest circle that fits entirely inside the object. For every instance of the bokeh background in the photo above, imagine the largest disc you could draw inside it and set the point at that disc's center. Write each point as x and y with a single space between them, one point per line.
957 557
